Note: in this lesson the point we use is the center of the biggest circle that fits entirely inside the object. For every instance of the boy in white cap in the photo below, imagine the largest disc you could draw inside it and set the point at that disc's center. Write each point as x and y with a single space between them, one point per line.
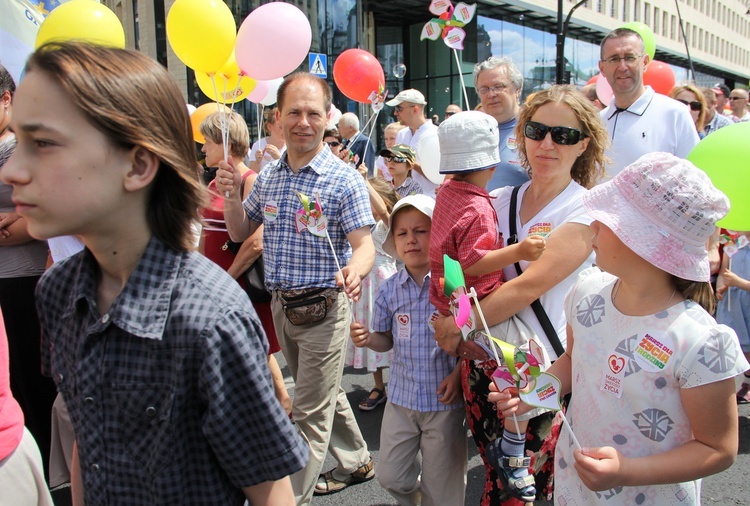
424 411
465 228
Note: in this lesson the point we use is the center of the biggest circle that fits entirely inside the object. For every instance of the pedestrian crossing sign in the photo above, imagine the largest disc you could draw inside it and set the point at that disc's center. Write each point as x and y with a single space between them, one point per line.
318 64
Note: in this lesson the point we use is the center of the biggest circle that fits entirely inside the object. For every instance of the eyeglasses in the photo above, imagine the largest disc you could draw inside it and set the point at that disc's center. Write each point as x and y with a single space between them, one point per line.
400 108
737 98
629 59
333 144
694 105
449 114
560 135
496 88
397 159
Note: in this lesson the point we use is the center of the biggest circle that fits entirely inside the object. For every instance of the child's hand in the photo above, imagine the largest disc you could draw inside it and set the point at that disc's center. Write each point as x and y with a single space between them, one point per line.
449 390
359 334
720 291
532 247
507 401
601 468
730 278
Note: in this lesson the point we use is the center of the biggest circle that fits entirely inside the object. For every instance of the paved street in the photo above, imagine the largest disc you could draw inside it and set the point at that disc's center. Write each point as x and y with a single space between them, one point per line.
729 488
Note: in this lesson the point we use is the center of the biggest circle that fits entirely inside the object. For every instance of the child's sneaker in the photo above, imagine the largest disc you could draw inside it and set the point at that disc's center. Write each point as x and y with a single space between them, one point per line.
743 394
512 471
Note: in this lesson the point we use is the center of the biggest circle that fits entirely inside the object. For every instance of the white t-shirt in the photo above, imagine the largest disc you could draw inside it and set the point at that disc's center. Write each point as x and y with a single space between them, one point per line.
626 386
64 246
652 123
261 145
567 207
404 136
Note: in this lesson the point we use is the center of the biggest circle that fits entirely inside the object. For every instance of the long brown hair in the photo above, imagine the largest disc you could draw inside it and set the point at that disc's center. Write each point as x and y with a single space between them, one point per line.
133 101
589 167
698 291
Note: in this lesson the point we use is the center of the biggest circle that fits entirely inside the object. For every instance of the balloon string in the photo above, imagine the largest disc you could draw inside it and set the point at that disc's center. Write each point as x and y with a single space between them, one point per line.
223 122
461 75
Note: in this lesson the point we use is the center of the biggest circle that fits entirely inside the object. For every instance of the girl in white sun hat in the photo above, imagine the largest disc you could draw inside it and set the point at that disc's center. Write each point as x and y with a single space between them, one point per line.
653 391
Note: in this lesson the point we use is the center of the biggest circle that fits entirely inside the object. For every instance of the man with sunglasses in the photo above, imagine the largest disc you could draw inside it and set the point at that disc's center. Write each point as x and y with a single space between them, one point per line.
638 119
409 110
499 83
738 104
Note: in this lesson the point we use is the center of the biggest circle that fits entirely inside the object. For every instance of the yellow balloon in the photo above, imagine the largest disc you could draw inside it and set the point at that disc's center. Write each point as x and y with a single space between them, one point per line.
201 33
231 86
85 20
202 113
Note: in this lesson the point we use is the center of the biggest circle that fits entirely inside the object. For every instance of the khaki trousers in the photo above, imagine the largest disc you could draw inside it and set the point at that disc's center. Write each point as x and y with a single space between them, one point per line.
22 475
315 355
440 437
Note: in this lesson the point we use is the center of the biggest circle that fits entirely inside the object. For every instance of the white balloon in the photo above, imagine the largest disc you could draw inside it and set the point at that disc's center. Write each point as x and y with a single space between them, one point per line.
334 116
273 88
190 108
428 156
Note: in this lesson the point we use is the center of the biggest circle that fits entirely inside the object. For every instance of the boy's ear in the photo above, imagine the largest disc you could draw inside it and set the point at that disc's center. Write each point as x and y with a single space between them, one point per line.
144 165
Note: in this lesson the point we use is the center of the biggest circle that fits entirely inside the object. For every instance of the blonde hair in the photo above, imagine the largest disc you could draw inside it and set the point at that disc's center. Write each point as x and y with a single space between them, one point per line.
386 192
133 101
699 96
239 136
396 126
588 167
699 292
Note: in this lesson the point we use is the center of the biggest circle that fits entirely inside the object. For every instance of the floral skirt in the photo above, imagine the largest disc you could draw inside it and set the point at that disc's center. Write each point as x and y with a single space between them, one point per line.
486 425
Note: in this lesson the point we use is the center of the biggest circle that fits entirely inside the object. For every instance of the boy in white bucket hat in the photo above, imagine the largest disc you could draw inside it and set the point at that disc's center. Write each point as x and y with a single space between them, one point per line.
653 401
464 227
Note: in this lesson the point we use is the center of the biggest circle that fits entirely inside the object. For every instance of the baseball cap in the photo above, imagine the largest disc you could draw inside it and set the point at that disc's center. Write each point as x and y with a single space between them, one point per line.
721 88
421 203
400 150
411 95
468 142
663 208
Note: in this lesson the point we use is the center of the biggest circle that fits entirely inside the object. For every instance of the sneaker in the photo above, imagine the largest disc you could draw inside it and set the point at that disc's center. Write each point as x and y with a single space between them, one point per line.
743 394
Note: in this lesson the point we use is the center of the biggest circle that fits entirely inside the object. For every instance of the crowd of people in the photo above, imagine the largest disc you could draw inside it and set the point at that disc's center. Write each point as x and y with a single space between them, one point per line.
581 220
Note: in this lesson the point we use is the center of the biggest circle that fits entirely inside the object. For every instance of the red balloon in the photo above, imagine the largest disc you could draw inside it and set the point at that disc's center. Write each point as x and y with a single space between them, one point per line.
357 74
660 77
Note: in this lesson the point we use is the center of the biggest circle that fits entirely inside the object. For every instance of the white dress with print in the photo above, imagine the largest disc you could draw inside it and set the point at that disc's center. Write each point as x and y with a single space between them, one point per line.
627 376
384 268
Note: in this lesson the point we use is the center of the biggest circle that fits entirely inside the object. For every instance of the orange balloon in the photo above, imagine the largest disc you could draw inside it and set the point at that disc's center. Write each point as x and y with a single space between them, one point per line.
202 113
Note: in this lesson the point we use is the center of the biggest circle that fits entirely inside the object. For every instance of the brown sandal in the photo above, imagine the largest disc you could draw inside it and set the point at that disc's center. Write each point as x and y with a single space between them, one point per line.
332 485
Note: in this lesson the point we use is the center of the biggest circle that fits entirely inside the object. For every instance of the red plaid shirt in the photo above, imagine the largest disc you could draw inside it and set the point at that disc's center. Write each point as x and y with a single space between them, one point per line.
464 227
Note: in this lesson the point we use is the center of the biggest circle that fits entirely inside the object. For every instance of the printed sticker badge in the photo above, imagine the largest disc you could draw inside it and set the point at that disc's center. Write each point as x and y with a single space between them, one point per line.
654 350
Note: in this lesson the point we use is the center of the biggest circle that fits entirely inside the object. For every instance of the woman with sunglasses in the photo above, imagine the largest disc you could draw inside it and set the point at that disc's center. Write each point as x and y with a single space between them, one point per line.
563 148
333 139
695 101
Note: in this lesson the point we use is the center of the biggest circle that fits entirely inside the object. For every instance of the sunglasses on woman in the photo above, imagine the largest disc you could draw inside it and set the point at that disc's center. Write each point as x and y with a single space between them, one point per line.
333 144
560 135
694 105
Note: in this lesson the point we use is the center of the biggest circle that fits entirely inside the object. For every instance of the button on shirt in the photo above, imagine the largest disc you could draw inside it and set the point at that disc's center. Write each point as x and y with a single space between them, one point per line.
169 392
302 260
418 365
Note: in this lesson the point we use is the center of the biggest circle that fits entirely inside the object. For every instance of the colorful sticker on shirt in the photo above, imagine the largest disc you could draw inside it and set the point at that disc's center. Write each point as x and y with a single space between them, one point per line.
653 351
613 375
542 229
511 143
271 210
403 326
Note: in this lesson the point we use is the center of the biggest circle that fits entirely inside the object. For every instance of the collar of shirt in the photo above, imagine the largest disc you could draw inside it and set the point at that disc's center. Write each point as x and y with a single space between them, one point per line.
638 107
508 125
403 277
467 188
142 308
319 163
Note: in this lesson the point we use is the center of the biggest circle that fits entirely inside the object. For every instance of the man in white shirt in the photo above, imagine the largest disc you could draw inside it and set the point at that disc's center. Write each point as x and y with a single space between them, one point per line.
738 103
409 110
639 120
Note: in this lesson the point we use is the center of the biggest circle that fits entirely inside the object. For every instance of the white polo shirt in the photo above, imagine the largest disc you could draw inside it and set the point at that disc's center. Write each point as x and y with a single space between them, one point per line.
404 136
652 123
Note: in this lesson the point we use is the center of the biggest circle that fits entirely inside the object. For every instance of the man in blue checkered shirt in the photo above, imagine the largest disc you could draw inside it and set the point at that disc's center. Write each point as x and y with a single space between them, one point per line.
311 312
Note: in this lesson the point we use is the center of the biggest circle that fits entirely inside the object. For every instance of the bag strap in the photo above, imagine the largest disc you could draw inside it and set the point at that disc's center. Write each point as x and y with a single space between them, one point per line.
536 306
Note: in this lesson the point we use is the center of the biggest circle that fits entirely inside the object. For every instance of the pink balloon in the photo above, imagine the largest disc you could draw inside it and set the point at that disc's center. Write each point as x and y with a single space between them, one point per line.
273 88
603 90
273 40
259 92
